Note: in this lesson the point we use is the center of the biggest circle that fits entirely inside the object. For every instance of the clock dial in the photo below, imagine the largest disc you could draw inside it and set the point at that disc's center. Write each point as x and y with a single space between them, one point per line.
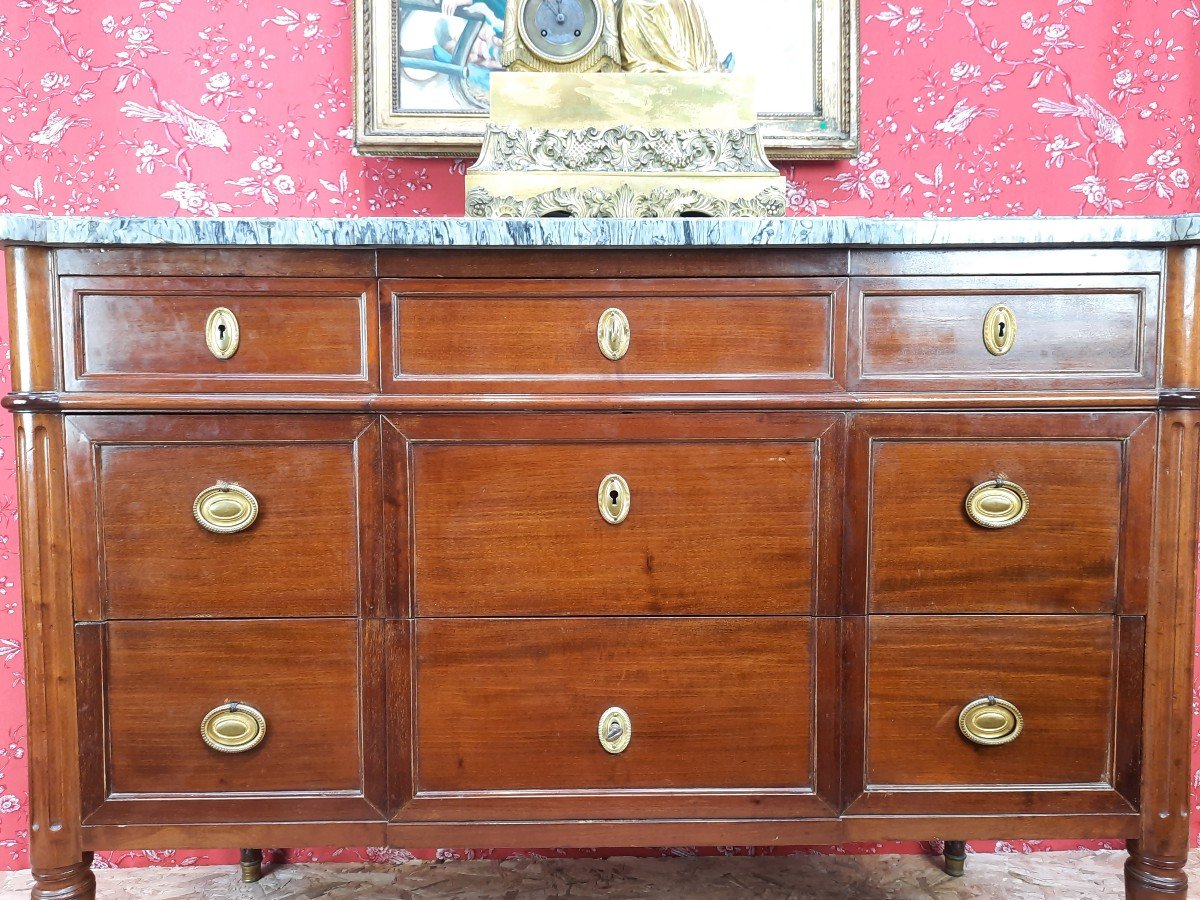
560 31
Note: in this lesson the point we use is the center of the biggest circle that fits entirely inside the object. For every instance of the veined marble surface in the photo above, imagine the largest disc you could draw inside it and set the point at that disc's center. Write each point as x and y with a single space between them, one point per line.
463 232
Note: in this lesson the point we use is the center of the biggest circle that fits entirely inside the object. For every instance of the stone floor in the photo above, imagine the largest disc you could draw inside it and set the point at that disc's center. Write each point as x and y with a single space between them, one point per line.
1034 876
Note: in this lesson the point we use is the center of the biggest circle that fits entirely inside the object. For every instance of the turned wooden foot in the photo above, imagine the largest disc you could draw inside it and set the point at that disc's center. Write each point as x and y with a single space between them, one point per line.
956 858
1147 878
251 865
73 882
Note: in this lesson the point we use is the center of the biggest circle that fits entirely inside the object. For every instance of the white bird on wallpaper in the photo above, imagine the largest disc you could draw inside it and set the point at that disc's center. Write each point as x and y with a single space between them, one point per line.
1104 124
56 126
199 131
963 114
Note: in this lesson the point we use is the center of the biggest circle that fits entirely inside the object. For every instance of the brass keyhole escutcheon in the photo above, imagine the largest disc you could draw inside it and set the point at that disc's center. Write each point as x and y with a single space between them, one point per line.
999 329
990 722
221 333
613 499
233 728
225 508
998 503
612 333
615 729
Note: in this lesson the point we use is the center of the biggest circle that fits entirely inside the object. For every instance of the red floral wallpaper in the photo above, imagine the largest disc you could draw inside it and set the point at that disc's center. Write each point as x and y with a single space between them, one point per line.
217 107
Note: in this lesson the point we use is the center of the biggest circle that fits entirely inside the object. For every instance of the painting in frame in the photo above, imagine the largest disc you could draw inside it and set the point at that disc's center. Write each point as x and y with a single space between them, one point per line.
422 69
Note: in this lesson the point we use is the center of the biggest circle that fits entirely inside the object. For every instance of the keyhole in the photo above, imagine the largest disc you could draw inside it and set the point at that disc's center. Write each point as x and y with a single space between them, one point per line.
1000 329
613 496
221 334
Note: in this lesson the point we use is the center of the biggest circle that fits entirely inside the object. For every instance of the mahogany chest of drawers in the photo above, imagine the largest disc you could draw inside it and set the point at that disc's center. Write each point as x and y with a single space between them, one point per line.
600 547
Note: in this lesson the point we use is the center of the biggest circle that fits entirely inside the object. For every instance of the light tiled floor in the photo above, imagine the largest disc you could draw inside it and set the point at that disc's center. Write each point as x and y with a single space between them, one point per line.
1034 876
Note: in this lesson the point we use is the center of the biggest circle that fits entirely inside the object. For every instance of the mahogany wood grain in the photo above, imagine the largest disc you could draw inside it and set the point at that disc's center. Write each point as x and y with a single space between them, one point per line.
1060 672
33 319
1181 320
148 334
1157 857
1097 332
215 262
1082 547
708 334
310 552
730 514
507 713
969 262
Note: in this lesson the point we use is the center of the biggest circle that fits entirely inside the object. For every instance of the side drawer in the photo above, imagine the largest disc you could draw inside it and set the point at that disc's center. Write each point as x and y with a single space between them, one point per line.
223 517
1079 332
998 714
315 335
642 514
267 720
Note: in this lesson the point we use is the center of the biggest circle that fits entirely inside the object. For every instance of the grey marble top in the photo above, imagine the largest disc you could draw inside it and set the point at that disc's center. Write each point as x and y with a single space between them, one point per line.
463 232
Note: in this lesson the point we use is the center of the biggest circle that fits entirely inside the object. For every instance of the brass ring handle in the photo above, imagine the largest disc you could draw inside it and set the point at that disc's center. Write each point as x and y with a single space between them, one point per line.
990 722
613 499
615 730
233 728
612 333
999 329
221 333
225 508
998 503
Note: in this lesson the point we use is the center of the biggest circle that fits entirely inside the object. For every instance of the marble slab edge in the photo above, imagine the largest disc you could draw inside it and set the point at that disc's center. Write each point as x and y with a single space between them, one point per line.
464 232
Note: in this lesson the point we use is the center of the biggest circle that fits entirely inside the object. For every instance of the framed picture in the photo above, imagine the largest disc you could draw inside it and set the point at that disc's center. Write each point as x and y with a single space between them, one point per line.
423 68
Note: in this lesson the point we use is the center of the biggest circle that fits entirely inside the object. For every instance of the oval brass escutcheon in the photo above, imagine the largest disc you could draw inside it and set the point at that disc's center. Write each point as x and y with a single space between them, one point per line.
612 333
225 508
233 728
221 333
999 329
615 729
613 499
997 504
990 721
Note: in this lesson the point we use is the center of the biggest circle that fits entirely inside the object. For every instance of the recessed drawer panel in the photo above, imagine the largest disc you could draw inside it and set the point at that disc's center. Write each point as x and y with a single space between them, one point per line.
1001 513
220 334
715 333
1018 332
613 705
181 516
611 515
1001 705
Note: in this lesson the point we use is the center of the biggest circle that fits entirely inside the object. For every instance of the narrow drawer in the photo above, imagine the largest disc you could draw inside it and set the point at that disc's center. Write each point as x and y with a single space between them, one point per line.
716 334
204 516
620 515
596 716
992 712
997 512
276 334
268 714
1004 332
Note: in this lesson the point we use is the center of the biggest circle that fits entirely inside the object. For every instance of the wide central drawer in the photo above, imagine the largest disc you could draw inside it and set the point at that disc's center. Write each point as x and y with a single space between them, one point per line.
619 515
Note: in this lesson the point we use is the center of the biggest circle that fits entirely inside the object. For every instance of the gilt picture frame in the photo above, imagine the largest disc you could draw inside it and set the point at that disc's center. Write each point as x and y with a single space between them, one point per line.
422 70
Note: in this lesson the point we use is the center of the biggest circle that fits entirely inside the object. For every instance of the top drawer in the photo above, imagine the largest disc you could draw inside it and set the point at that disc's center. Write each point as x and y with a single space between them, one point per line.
713 334
1004 332
286 334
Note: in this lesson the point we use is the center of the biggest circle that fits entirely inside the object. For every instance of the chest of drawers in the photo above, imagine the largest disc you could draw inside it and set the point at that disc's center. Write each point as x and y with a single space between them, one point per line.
601 547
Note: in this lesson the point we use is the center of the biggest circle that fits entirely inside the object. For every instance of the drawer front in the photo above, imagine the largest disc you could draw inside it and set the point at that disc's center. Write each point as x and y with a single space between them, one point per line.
1062 532
285 699
150 334
510 712
302 515
717 334
721 514
1073 683
1059 331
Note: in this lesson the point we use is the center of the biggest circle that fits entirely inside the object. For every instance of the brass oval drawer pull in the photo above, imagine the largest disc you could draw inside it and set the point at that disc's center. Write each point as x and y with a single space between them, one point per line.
221 333
999 330
233 728
225 508
990 721
997 504
615 729
612 333
613 499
